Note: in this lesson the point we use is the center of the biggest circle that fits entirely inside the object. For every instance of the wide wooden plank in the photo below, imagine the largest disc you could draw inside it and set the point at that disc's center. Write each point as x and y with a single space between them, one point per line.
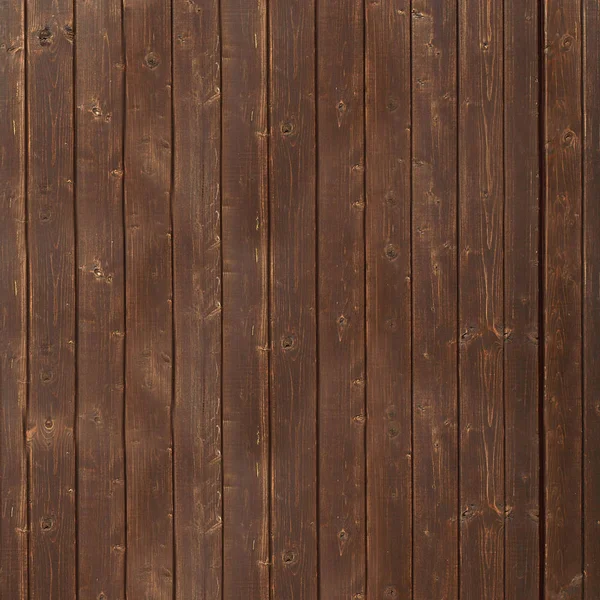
293 379
591 307
481 300
341 299
13 300
149 345
245 299
434 249
197 299
562 299
101 302
521 299
388 306
52 300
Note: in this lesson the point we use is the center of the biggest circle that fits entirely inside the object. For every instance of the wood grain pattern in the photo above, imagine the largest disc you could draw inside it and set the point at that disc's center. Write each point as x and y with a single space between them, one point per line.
299 299
13 300
388 300
341 299
521 299
591 299
435 348
52 301
246 343
562 289
481 300
197 300
101 302
149 323
293 365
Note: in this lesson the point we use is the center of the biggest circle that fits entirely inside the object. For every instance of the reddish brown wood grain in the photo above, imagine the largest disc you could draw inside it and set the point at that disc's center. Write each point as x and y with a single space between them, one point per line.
481 300
521 299
99 100
435 348
52 300
591 299
13 300
341 299
149 323
293 365
388 299
562 289
246 344
198 528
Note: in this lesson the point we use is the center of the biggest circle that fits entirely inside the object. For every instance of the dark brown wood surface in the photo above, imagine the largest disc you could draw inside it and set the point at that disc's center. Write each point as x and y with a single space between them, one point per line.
101 509
299 299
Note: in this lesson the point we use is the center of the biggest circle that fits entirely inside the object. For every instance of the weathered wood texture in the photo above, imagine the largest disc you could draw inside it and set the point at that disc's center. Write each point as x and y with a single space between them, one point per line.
299 299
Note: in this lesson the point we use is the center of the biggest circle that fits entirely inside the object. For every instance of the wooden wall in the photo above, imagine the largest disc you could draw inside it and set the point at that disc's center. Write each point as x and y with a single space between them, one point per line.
299 299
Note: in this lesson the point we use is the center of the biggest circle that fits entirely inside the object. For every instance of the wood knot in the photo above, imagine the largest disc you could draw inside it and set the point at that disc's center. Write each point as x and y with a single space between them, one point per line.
288 342
47 523
45 36
287 128
391 252
289 557
152 60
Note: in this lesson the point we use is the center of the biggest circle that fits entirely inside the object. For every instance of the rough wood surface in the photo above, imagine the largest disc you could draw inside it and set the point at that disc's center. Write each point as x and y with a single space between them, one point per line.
299 299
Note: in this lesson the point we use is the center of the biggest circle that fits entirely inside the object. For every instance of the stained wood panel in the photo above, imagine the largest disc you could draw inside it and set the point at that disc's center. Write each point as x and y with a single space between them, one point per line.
434 88
298 299
341 299
246 340
197 300
101 301
52 301
293 302
562 288
388 303
14 302
481 300
149 301
521 300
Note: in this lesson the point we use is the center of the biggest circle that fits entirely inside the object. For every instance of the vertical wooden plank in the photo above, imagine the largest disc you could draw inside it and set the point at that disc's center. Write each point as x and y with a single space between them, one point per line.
591 315
245 300
13 299
51 238
148 300
481 300
562 298
293 381
388 218
99 90
434 248
341 295
197 301
521 298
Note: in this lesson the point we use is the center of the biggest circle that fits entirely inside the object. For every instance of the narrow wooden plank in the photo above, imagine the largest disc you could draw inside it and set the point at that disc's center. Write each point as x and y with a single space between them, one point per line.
562 299
481 300
101 508
52 299
521 298
388 196
149 345
13 299
245 300
591 315
434 249
341 299
197 299
293 380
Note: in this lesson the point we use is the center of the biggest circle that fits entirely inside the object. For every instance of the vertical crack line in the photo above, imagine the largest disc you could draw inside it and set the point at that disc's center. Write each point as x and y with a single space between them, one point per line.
75 298
173 305
25 26
458 254
317 304
541 294
125 339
